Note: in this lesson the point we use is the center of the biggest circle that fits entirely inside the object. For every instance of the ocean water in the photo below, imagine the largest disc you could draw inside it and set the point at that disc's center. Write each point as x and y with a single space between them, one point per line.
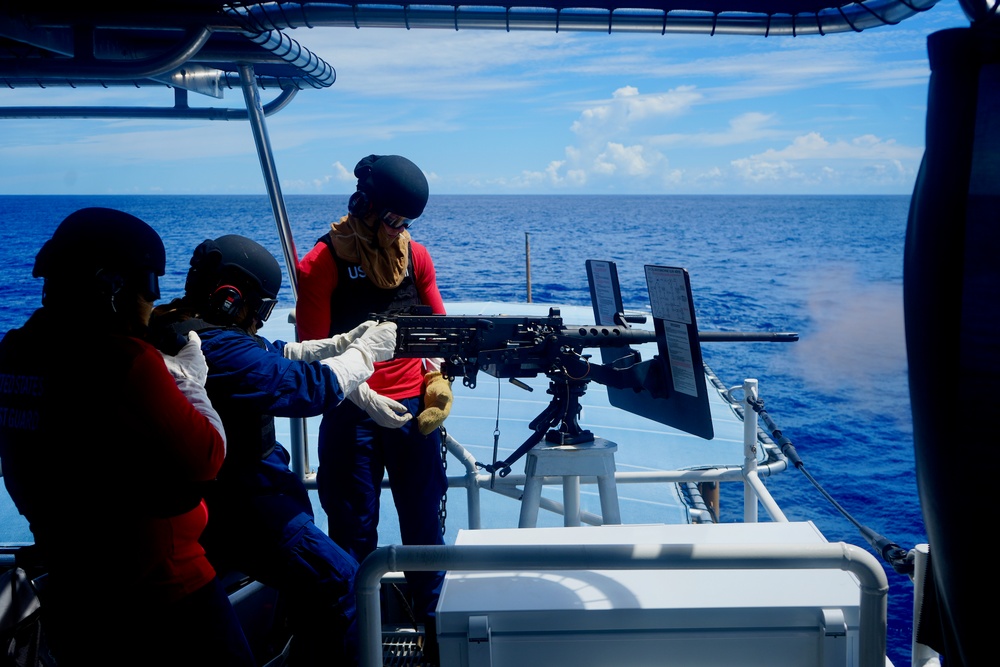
829 268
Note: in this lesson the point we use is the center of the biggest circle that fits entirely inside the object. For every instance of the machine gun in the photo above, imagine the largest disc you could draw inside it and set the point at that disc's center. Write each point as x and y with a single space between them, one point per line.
668 388
522 347
517 346
526 346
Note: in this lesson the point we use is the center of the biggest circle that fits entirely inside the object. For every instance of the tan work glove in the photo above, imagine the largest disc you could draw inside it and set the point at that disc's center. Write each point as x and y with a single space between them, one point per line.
437 402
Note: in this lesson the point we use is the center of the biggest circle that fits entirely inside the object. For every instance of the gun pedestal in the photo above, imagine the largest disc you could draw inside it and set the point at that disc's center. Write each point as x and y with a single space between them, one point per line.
595 458
569 452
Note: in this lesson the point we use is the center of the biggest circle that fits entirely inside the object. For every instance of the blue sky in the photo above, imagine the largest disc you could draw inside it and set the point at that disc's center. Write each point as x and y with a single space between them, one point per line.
527 113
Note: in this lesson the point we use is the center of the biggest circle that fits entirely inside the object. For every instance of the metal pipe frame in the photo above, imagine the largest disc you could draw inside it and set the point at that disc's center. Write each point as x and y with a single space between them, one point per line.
792 18
180 110
873 581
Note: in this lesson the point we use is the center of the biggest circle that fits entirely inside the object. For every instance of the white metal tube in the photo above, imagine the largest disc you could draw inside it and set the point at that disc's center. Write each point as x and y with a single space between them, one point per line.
571 500
749 451
255 114
255 110
470 482
760 492
921 654
874 584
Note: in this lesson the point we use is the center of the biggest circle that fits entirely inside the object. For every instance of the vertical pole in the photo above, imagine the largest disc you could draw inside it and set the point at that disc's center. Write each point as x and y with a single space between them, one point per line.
527 263
255 113
571 500
921 655
749 451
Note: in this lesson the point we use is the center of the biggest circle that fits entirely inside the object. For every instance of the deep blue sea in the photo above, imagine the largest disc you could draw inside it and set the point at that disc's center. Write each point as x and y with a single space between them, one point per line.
829 268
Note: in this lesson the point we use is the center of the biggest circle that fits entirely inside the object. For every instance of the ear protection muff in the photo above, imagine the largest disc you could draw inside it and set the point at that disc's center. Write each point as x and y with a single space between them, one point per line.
227 300
204 269
109 283
359 204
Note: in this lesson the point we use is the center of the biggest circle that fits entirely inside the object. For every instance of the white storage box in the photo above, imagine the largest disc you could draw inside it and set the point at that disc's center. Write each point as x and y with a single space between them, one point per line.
612 618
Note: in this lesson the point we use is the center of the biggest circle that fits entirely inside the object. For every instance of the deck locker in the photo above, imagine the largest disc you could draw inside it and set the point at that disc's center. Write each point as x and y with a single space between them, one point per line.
604 618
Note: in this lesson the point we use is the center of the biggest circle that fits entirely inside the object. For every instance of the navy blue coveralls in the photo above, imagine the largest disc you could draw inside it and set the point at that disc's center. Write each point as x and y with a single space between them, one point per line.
355 452
261 520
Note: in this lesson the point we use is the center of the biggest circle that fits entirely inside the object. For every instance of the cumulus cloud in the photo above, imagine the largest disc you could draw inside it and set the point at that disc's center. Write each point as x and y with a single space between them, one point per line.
866 147
342 173
629 160
612 142
810 158
627 107
550 175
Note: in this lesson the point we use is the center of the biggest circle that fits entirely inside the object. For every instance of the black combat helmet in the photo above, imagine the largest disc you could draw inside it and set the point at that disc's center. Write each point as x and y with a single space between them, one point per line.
389 183
117 249
233 271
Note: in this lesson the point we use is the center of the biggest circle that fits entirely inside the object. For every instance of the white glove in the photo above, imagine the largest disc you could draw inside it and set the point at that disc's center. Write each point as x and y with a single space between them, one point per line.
190 371
352 368
356 364
383 411
379 341
314 350
189 362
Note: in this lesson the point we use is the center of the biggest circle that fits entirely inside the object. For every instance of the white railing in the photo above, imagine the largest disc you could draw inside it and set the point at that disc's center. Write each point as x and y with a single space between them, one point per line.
874 584
473 481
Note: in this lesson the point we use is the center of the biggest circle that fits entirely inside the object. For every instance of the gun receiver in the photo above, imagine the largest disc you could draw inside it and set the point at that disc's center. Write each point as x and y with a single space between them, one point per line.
508 346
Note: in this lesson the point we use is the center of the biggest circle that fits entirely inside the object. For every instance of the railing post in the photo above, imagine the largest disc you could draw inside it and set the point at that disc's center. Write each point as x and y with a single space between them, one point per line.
921 655
470 480
749 450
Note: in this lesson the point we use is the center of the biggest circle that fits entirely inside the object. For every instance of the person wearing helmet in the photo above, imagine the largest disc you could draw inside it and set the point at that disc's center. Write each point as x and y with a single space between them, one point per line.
262 519
368 263
105 455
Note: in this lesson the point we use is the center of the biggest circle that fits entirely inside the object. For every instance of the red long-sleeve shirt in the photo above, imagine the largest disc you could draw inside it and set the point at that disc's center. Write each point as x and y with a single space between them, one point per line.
99 446
317 272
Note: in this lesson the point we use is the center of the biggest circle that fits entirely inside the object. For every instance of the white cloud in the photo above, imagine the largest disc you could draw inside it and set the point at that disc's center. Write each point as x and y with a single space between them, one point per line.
433 64
810 158
627 108
628 159
342 173
745 128
812 146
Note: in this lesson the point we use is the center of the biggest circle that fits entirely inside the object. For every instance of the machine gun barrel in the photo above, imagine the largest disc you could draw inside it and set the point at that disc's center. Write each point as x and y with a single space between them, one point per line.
748 336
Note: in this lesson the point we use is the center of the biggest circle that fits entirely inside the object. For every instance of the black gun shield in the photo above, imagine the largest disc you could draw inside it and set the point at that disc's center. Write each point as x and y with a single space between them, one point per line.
679 396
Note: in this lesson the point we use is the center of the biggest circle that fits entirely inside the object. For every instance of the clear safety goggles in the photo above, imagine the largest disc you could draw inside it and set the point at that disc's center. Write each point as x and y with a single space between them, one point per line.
395 221
265 308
